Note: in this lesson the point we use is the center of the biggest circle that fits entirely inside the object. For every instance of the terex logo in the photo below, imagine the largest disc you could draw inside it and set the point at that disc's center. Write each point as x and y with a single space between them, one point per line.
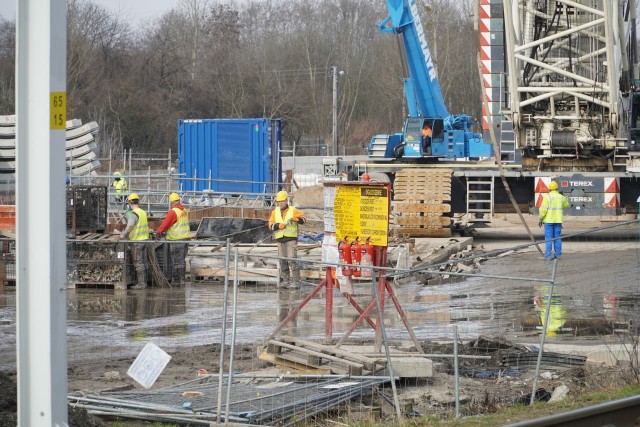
581 199
581 183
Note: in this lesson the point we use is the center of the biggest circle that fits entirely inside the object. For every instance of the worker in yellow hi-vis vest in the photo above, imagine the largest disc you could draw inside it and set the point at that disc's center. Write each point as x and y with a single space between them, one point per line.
137 230
550 214
120 186
284 221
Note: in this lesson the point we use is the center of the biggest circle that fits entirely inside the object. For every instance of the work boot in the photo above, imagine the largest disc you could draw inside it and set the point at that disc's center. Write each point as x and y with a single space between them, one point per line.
283 281
295 280
179 277
142 283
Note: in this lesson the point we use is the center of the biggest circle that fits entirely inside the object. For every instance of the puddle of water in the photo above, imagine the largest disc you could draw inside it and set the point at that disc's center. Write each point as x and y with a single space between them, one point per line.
589 303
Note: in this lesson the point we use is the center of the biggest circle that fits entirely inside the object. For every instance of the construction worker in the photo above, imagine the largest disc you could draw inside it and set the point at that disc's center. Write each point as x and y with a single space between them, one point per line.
550 214
137 230
176 228
120 186
284 221
426 137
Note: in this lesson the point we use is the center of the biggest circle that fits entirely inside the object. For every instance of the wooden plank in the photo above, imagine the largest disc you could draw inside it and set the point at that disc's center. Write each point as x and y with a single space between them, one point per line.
423 180
319 354
330 369
406 207
422 193
417 198
422 232
115 285
368 362
297 365
422 183
439 179
427 221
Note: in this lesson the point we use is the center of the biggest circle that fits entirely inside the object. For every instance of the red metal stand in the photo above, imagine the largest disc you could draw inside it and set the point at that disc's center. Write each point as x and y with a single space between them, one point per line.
382 286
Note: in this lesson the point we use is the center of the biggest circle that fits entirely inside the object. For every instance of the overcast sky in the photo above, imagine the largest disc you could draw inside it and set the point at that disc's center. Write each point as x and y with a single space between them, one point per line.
135 11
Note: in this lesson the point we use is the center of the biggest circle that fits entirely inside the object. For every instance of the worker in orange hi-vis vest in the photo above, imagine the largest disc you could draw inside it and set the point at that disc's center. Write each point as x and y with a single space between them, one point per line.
284 222
550 214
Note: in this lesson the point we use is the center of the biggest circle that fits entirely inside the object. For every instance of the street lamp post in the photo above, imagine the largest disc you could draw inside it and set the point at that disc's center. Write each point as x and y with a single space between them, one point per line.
335 73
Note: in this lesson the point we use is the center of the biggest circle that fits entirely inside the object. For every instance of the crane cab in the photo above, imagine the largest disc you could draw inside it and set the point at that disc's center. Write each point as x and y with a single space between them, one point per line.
417 142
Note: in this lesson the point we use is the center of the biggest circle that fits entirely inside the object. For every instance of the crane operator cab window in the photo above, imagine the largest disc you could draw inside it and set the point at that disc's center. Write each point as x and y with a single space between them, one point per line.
432 129
427 133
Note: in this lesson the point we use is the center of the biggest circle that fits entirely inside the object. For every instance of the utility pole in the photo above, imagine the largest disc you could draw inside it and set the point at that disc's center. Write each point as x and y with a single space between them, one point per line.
335 73
334 150
41 274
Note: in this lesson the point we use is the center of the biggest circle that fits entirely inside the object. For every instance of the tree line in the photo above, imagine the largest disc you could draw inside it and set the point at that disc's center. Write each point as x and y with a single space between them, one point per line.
253 58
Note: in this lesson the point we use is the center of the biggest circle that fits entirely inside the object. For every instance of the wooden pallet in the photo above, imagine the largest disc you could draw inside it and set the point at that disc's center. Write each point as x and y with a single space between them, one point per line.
305 356
99 285
421 232
424 207
420 203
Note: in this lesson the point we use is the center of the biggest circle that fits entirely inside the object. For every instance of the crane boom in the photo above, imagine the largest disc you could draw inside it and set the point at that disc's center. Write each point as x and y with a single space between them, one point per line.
422 88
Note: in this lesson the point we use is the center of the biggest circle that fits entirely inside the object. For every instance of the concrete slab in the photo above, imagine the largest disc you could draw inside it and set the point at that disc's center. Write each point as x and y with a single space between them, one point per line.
608 354
410 367
405 364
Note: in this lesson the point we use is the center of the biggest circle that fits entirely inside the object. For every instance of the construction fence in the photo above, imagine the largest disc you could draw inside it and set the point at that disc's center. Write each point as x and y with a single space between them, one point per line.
484 327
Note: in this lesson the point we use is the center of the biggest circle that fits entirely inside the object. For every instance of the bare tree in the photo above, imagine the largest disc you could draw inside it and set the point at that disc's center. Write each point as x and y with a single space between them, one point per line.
252 58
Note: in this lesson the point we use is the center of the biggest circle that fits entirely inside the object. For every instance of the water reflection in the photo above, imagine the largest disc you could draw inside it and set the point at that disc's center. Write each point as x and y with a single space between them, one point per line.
287 302
87 305
557 312
583 304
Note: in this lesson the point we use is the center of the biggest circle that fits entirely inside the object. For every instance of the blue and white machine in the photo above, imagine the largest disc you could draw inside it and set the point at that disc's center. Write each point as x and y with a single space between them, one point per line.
451 135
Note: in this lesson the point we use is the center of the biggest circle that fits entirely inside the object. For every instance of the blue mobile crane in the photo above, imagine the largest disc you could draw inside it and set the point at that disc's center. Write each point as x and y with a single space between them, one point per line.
451 137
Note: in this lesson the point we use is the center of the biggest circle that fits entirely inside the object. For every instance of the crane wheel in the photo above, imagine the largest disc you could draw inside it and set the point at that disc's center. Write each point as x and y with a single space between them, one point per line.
379 177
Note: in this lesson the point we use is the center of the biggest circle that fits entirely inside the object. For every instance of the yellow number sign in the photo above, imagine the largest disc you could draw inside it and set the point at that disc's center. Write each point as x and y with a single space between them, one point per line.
58 110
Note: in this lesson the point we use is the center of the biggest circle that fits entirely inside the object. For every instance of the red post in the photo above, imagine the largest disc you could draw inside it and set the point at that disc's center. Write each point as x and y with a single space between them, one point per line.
328 313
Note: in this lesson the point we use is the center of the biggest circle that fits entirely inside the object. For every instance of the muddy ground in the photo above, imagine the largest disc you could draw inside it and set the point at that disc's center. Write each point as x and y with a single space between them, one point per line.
486 386
107 330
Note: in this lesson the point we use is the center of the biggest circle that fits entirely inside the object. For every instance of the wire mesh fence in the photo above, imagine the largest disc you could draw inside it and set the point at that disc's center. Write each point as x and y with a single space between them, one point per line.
480 313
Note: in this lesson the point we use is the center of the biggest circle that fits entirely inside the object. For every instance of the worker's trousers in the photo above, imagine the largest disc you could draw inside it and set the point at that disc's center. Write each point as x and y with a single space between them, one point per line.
178 254
552 231
139 259
288 249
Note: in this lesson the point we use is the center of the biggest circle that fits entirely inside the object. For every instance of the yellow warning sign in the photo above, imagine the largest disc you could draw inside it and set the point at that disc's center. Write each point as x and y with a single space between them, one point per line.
362 211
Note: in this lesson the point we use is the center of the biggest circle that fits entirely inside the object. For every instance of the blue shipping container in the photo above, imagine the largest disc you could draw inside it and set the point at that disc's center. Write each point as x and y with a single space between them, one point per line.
230 155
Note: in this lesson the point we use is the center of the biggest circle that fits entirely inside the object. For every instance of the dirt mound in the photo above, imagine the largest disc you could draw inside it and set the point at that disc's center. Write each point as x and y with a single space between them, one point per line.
309 197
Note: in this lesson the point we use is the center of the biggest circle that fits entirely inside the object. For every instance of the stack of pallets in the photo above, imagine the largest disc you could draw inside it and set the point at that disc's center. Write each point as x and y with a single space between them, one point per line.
420 207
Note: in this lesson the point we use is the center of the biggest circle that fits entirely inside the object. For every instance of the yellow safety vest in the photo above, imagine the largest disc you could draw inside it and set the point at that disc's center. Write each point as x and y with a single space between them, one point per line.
180 229
141 230
290 229
120 186
552 207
